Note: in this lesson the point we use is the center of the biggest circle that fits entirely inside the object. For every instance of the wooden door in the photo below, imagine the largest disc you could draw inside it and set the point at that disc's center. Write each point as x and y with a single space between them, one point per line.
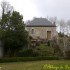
48 35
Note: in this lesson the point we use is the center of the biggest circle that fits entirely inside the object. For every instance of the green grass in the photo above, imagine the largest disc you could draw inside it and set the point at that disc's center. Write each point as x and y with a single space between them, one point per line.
35 65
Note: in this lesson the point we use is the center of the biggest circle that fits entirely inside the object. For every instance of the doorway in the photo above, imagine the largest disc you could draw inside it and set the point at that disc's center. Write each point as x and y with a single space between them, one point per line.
48 35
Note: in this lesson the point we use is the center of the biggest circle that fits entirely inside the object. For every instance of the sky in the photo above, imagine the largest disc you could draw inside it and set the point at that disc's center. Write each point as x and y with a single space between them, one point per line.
42 8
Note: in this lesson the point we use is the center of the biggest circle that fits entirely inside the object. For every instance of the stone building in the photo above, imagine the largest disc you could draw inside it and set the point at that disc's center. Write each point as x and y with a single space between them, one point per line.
41 28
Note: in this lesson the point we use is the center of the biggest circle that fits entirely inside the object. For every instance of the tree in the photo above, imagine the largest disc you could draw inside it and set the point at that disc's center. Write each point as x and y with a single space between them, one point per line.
64 32
15 36
6 7
68 27
12 31
53 19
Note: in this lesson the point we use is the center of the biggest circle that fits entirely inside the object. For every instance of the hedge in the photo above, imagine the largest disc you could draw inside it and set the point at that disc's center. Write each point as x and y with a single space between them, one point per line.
23 59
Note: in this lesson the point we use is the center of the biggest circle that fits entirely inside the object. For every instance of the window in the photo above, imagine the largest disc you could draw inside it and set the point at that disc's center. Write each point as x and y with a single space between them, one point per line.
32 31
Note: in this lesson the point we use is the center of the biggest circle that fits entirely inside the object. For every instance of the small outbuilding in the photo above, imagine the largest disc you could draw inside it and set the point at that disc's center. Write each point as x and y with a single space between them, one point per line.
41 28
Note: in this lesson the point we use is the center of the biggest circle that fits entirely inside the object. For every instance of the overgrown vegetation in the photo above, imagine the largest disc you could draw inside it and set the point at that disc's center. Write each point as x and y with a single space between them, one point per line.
17 43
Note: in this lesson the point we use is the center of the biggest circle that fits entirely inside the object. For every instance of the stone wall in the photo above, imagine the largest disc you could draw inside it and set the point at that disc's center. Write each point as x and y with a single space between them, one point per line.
42 32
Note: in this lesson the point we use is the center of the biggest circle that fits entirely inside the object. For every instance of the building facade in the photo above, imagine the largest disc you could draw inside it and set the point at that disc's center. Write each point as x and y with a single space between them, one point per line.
41 28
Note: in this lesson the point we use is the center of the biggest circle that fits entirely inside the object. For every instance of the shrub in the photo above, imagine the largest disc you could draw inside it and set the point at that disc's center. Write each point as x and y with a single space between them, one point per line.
27 53
20 59
67 54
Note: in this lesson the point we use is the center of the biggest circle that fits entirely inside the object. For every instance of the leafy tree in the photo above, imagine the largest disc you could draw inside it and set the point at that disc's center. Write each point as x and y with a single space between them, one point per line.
14 36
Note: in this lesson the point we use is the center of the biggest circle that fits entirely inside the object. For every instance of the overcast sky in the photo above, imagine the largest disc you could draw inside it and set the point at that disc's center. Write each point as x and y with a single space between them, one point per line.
42 8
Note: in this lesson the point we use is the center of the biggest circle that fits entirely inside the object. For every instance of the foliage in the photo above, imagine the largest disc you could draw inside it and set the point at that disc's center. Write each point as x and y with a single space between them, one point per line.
44 50
14 36
56 47
27 53
61 34
67 54
20 59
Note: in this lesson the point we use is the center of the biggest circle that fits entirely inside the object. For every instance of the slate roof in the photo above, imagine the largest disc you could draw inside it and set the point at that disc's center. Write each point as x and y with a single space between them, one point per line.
37 22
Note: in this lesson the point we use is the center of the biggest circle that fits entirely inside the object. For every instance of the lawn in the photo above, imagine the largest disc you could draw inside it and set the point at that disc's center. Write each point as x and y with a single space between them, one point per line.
37 65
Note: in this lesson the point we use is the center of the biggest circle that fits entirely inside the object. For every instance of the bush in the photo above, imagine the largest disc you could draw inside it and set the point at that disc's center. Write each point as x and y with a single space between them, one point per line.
27 53
67 54
20 59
